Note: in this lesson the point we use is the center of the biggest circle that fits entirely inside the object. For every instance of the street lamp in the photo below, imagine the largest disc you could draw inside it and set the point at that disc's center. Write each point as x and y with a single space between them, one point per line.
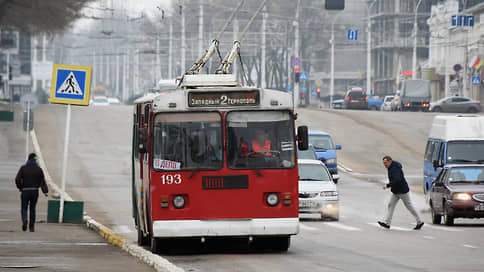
368 50
331 84
414 60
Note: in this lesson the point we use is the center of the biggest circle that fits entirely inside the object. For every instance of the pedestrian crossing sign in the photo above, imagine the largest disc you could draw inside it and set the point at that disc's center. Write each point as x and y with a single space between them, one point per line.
70 84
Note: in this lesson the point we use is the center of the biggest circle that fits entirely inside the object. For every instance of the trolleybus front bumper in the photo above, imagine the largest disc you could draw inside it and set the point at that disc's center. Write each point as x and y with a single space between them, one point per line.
226 227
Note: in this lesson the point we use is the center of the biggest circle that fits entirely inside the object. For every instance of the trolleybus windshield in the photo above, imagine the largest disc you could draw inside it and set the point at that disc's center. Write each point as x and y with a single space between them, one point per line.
260 139
184 141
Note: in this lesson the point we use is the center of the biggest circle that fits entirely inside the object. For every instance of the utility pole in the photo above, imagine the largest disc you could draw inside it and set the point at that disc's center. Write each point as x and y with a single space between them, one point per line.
170 51
200 28
263 53
158 64
183 43
296 54
235 68
415 29
94 69
125 75
117 76
368 51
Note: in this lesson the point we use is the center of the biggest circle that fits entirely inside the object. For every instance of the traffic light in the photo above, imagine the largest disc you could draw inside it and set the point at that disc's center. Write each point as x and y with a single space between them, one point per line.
335 4
318 91
10 75
296 75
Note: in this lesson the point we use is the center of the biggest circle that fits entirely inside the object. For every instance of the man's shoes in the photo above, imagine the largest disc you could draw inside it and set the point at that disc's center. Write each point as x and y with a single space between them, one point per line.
383 224
24 225
419 226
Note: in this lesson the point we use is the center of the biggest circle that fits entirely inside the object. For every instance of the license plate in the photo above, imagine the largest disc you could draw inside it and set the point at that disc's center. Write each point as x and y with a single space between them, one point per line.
479 207
306 204
354 101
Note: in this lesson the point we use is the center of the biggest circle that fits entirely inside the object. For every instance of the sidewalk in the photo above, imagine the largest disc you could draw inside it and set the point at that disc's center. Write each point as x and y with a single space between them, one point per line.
52 247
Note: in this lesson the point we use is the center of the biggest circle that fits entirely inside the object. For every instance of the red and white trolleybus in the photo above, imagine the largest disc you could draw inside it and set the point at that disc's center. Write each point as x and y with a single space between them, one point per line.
214 159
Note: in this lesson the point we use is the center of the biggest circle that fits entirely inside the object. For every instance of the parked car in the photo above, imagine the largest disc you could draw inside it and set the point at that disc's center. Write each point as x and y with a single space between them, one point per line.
458 191
355 98
317 191
387 103
325 150
456 104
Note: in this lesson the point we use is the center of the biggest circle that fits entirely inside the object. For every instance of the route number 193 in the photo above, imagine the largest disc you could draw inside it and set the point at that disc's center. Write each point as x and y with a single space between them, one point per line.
171 179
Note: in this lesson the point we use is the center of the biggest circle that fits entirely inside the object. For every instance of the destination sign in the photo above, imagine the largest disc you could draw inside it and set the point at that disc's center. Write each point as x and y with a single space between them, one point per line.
228 99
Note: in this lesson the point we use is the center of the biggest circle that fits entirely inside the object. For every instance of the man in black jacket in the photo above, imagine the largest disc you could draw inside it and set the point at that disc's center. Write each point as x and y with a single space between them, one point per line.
399 187
29 178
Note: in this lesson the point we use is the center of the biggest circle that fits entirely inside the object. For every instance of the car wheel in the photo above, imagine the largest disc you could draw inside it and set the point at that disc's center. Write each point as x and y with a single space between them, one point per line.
436 218
448 220
472 110
437 109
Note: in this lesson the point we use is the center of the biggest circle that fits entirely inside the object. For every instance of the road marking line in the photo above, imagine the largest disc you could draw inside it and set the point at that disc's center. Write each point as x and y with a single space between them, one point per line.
302 226
391 228
429 237
342 226
52 243
470 246
441 228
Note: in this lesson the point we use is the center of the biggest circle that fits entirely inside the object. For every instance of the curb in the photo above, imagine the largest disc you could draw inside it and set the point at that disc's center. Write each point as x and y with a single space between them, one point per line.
157 262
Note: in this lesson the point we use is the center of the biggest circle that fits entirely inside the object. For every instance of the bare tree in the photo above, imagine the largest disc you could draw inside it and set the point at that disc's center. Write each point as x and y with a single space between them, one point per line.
35 16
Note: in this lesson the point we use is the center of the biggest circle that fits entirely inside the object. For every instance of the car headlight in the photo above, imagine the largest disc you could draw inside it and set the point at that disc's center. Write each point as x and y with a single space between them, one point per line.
329 193
331 161
461 196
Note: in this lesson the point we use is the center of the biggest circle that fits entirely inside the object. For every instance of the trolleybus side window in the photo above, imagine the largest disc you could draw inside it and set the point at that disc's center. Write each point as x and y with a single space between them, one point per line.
187 141
260 139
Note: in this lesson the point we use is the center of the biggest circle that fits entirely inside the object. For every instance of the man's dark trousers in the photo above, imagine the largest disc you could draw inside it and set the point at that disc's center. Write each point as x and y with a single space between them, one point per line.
29 200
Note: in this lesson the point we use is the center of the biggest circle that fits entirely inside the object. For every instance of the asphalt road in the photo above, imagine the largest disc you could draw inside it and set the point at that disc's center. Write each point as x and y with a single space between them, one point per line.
99 174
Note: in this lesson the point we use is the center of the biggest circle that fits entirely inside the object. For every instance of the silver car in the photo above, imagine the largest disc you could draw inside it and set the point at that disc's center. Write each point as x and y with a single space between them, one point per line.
387 103
456 104
317 191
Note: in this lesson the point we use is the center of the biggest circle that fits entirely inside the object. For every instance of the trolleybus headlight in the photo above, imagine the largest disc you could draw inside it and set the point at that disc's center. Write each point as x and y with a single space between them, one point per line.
179 201
272 199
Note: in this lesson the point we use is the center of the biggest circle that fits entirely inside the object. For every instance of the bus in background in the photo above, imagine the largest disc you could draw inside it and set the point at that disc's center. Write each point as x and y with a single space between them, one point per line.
214 159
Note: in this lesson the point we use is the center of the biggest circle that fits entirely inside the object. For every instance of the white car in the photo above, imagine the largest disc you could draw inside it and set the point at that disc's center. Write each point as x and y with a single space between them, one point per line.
100 101
317 191
113 101
387 103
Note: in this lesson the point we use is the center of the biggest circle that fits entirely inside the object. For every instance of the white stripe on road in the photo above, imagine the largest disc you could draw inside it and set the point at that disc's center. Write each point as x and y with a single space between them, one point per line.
452 229
391 228
342 226
470 246
429 237
304 227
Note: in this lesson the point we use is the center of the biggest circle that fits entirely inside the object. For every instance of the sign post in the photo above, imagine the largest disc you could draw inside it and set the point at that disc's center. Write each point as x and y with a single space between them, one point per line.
70 85
28 103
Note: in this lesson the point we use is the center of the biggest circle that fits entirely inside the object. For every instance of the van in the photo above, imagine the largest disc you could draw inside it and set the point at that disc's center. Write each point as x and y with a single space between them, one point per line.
453 140
325 150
